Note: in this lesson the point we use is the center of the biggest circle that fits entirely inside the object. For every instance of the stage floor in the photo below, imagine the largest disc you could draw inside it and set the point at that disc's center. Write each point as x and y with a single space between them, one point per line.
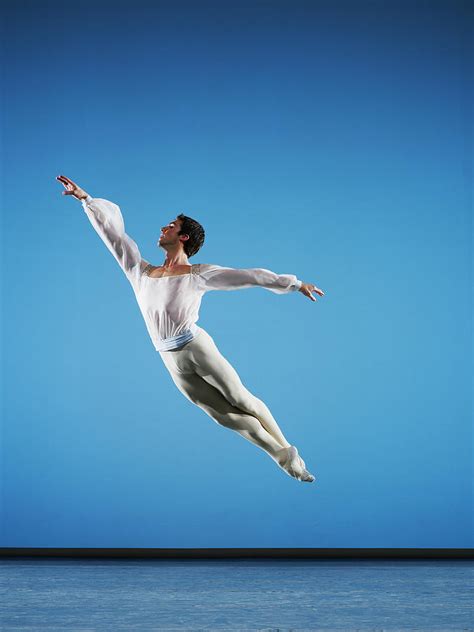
243 594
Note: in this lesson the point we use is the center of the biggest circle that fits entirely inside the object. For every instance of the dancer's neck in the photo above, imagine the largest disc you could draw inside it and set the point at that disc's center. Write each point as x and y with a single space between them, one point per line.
175 260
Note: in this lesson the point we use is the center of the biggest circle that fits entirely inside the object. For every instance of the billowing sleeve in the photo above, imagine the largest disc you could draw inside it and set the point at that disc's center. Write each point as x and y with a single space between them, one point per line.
214 277
107 220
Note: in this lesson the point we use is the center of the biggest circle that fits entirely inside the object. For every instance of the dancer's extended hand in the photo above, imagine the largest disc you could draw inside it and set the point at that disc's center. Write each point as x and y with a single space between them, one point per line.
307 288
72 188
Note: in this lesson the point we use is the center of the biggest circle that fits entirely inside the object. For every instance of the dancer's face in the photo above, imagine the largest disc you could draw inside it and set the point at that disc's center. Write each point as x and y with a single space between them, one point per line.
169 233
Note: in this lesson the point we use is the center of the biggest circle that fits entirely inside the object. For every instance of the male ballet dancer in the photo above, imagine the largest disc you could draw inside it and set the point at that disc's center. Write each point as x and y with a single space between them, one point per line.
169 297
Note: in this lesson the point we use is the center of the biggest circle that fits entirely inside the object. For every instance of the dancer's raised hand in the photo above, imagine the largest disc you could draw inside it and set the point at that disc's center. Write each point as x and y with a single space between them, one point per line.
72 188
307 288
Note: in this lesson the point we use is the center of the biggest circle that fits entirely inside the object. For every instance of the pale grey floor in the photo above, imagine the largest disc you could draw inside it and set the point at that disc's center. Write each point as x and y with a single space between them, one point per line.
243 594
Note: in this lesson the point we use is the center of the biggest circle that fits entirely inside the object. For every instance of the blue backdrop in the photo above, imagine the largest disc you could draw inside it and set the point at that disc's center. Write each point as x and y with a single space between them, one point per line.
324 139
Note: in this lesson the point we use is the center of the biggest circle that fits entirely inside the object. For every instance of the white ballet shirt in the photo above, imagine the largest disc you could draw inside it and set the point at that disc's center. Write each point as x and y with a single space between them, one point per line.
170 304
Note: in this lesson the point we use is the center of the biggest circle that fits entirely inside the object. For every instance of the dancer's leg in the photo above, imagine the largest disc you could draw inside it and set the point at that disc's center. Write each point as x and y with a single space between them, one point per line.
214 404
211 365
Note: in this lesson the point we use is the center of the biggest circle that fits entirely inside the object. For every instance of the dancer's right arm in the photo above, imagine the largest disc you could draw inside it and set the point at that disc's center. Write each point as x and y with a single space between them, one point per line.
107 220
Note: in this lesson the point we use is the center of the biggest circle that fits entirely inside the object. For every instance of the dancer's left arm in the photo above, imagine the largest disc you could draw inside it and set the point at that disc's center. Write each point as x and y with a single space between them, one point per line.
215 277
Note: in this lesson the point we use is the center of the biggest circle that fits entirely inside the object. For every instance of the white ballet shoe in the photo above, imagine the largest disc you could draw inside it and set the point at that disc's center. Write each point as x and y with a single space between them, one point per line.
307 476
294 466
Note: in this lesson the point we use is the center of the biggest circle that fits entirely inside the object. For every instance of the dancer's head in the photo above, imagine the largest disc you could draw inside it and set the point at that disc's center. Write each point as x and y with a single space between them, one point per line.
182 233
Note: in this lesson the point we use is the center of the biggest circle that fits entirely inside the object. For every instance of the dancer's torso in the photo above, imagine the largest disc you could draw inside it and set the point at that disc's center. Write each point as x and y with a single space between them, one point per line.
169 304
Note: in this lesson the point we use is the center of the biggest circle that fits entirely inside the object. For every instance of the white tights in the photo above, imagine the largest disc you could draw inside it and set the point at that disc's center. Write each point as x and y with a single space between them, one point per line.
208 380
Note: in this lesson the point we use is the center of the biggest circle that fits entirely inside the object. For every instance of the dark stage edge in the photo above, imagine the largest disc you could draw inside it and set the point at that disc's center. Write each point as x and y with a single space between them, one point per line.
221 553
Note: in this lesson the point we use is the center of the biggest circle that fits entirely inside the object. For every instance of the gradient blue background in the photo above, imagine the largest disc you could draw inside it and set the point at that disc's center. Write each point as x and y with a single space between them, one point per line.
325 139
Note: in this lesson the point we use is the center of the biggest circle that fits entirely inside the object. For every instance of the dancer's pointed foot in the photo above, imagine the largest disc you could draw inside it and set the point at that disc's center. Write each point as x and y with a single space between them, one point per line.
291 463
307 476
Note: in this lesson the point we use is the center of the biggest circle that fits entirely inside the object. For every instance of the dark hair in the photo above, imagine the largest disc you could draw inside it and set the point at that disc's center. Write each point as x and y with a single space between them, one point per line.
196 234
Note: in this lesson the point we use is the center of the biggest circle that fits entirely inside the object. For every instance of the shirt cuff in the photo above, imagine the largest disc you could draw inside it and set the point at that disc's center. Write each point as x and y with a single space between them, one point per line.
87 199
298 284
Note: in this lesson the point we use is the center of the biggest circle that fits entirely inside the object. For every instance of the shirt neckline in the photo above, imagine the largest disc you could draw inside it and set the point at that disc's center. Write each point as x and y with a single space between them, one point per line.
169 276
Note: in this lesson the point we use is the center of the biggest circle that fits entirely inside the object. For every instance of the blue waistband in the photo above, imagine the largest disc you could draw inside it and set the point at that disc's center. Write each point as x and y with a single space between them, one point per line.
174 342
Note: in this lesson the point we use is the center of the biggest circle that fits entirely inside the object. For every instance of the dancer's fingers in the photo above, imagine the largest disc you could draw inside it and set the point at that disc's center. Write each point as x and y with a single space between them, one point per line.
66 181
308 288
65 184
65 178
317 290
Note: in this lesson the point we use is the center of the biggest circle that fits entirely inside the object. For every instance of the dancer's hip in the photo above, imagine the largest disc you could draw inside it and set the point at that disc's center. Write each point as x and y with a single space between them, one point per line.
174 343
188 356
